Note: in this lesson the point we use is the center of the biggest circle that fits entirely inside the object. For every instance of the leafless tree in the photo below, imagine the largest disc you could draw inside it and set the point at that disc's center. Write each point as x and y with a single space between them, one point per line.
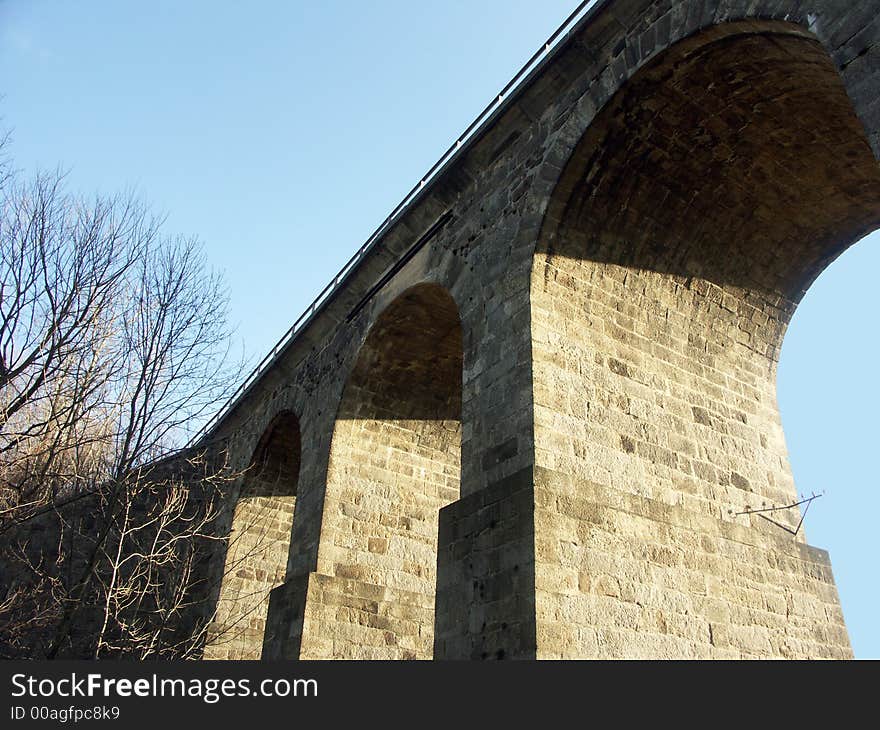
113 347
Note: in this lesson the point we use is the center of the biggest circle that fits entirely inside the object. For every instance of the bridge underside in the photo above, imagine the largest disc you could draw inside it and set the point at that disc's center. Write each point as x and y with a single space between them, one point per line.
537 438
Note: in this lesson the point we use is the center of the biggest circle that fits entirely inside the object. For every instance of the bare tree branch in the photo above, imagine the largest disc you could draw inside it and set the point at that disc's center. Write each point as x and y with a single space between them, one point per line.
114 346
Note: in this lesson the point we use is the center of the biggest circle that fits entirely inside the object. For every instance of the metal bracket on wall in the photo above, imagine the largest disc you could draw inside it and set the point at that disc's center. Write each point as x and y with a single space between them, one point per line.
761 513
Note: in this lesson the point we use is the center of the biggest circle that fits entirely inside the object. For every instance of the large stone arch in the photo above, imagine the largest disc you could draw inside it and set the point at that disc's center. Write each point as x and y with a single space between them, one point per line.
687 222
259 539
394 463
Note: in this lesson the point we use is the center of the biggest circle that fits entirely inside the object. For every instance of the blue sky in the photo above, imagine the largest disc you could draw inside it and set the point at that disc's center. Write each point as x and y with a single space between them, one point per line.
282 134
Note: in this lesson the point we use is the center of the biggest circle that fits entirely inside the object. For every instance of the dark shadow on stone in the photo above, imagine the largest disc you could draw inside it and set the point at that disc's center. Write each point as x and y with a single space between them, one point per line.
409 368
741 163
275 465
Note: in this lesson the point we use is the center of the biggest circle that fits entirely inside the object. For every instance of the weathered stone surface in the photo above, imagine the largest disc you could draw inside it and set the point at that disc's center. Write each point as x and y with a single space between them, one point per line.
532 439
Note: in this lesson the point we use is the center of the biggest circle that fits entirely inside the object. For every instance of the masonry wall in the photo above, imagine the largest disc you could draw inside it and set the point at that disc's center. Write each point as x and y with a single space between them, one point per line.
46 555
624 576
692 217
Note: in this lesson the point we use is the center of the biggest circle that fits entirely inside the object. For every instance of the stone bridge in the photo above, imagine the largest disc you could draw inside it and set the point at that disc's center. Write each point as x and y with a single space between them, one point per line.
525 422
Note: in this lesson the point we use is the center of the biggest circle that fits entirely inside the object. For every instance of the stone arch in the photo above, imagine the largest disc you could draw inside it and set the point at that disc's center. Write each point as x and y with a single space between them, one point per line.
688 220
257 552
394 463
729 174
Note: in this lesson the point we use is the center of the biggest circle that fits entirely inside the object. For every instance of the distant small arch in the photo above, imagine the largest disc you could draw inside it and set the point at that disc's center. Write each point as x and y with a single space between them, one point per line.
259 541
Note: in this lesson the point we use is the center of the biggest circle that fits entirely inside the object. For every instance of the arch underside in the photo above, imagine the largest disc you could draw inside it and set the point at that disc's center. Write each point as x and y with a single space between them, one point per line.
691 218
394 463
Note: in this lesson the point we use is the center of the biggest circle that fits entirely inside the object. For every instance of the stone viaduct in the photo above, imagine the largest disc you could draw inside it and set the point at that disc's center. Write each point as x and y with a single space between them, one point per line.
524 422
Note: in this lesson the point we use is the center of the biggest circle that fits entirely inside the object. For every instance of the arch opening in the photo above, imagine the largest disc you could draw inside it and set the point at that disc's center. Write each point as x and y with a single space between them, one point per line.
689 221
257 551
394 463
